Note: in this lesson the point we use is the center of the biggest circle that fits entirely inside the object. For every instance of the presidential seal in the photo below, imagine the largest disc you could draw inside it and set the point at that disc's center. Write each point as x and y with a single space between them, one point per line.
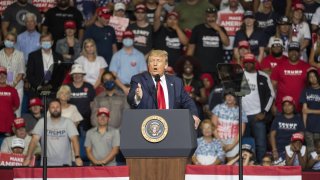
154 128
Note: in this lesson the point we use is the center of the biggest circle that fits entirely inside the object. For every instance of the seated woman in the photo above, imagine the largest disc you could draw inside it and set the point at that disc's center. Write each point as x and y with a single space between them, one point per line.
209 150
296 153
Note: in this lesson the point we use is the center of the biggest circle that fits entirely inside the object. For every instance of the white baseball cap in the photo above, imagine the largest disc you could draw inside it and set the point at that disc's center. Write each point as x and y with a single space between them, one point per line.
77 69
17 142
119 6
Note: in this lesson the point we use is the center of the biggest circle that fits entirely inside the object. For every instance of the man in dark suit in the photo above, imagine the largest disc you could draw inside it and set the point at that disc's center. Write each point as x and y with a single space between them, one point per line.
43 68
143 92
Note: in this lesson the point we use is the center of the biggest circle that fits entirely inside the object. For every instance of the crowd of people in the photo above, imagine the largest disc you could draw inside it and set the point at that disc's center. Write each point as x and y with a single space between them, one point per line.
85 54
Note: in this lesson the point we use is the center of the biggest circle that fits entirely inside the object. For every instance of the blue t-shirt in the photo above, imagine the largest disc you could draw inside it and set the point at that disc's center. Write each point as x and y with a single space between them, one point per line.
285 128
311 97
104 37
257 39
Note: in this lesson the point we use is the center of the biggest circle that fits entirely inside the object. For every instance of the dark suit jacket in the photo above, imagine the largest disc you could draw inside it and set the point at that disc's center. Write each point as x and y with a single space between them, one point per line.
178 98
35 71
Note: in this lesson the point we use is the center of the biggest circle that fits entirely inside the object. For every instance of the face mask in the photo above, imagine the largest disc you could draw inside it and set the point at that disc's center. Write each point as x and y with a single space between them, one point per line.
127 42
46 45
109 85
8 44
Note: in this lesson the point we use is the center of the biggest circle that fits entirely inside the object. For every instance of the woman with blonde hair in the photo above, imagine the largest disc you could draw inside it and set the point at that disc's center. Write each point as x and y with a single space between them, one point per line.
12 59
267 18
94 65
69 111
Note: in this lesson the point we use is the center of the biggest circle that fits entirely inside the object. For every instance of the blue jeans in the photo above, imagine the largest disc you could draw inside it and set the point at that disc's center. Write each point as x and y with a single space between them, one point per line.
257 130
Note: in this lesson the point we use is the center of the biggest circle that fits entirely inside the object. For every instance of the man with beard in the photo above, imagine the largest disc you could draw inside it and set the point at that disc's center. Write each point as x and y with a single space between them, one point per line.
257 104
57 16
275 58
60 131
288 78
13 18
207 41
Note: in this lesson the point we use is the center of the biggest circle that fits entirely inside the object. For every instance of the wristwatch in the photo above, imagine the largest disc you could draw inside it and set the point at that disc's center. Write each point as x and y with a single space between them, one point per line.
76 157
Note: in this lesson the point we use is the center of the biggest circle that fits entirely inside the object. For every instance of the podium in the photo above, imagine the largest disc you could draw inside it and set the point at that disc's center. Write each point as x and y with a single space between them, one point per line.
157 144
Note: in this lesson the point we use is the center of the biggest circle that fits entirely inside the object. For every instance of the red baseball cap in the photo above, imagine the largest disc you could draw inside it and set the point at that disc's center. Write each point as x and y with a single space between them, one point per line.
103 110
249 58
173 13
128 34
288 99
298 6
104 12
243 44
3 70
297 137
70 25
19 123
35 102
140 7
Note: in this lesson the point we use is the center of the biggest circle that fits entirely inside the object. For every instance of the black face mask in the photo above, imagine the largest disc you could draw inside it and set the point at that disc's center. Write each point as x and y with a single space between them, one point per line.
276 54
109 85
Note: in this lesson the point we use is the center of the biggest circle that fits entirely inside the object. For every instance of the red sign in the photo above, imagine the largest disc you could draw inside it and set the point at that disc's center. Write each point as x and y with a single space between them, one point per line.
120 25
44 5
231 22
4 4
7 159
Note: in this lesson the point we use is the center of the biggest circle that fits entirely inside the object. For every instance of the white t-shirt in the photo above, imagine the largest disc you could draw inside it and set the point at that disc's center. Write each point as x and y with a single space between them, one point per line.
316 17
251 102
92 69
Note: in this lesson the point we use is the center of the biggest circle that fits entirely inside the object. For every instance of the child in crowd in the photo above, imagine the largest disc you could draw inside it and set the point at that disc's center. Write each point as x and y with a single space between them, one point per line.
209 150
267 160
17 145
248 157
296 152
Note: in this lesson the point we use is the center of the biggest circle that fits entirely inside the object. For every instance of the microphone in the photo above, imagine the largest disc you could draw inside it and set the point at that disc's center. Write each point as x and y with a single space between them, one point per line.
64 62
157 77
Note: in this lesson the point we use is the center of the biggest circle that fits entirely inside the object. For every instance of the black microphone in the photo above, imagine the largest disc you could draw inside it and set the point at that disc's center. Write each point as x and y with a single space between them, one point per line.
157 77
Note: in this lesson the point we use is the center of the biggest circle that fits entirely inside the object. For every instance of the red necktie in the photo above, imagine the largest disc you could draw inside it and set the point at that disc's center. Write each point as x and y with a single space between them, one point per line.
160 96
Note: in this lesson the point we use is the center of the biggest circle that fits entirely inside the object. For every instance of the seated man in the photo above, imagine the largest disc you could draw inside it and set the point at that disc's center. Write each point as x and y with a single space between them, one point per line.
102 142
19 129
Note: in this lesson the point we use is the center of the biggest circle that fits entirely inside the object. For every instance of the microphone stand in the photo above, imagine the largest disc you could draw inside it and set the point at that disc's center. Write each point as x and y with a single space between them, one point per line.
45 94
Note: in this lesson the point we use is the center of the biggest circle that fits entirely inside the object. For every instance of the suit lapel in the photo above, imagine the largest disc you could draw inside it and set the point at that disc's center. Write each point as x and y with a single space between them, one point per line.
151 87
170 87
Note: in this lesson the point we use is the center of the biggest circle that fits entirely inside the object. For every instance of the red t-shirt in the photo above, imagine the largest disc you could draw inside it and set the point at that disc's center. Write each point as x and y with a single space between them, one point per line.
9 100
291 81
271 62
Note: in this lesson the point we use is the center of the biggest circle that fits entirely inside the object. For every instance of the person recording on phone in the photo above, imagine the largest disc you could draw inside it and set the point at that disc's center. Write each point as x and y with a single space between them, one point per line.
156 90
